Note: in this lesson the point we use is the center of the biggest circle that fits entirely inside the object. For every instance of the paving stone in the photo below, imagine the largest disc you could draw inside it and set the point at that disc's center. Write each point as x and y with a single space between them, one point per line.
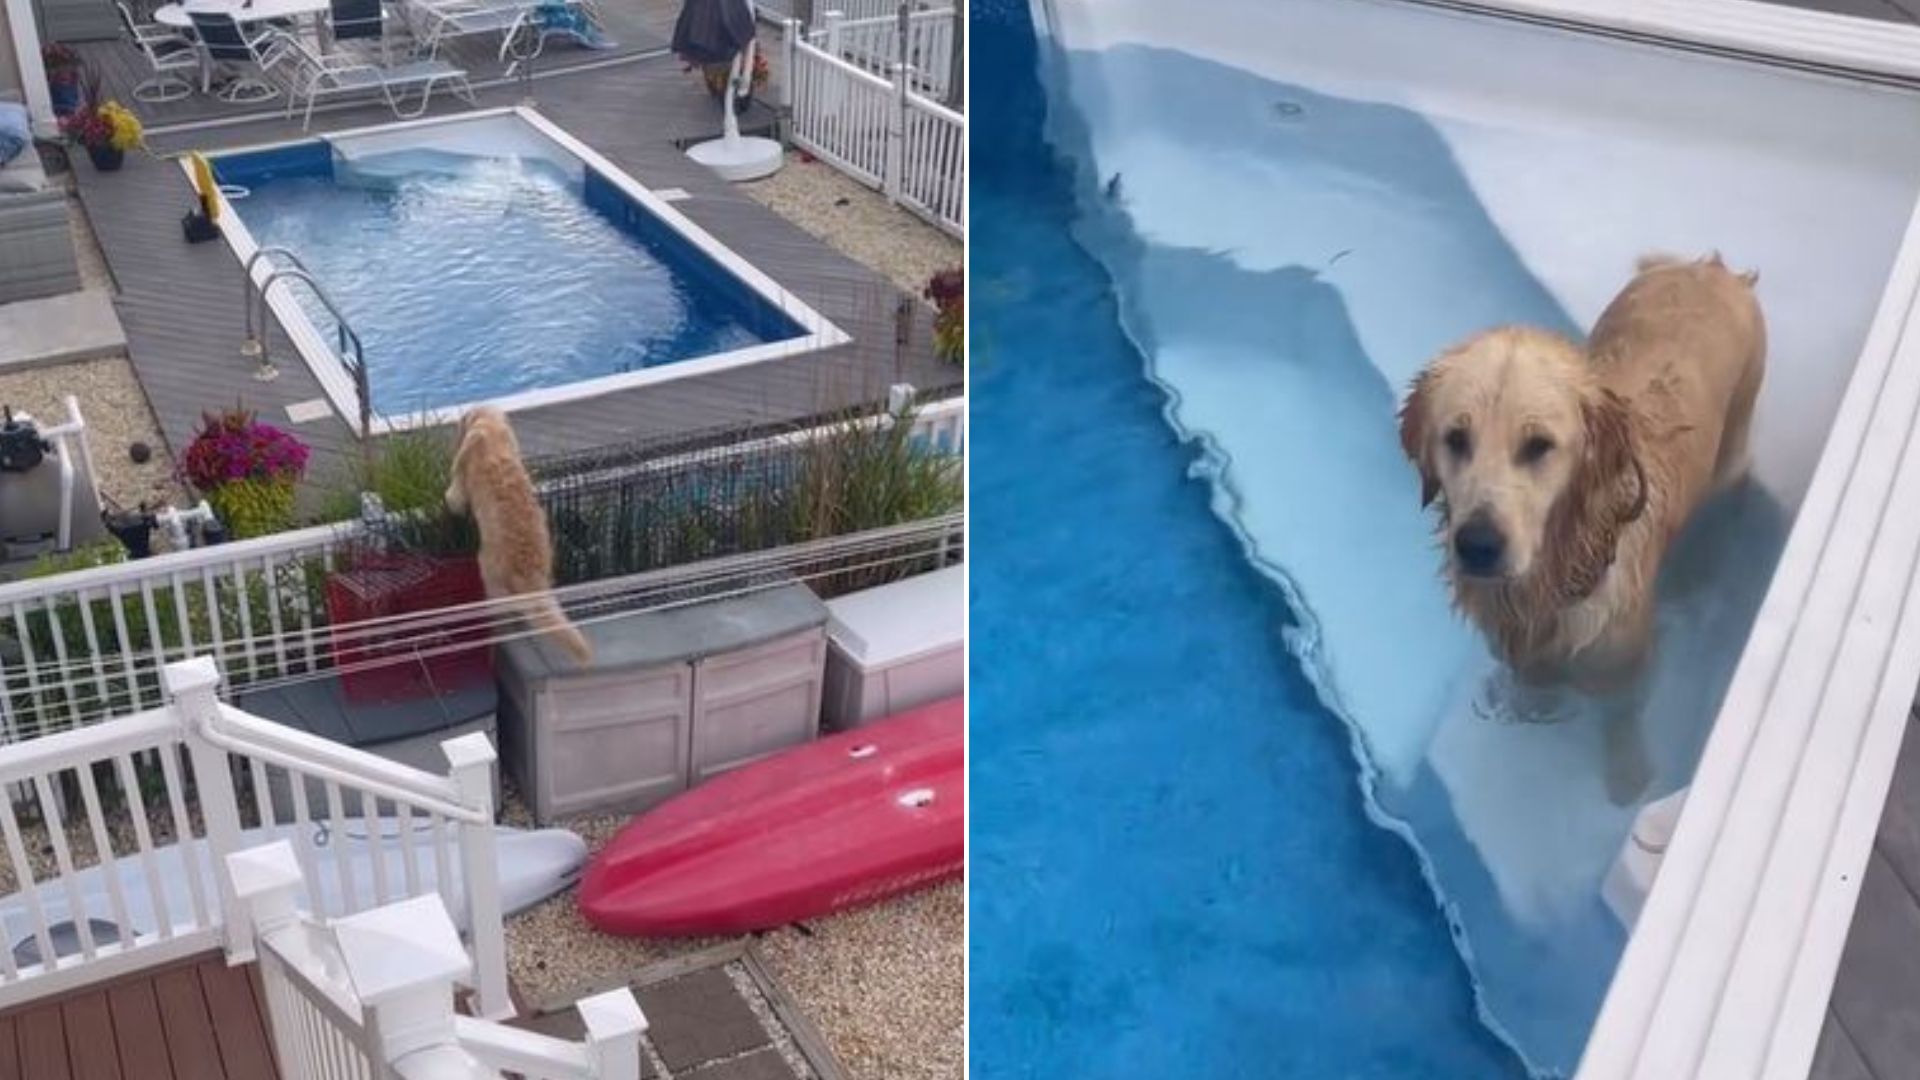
699 1018
760 1065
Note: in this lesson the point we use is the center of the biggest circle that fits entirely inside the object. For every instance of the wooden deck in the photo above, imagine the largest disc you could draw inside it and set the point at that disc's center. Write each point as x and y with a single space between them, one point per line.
181 304
195 1020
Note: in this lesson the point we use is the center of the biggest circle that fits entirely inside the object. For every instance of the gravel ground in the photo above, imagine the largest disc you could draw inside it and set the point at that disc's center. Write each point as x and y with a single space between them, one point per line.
117 416
858 222
886 984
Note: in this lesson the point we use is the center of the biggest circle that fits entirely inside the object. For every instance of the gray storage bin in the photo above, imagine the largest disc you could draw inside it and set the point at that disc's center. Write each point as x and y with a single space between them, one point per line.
671 698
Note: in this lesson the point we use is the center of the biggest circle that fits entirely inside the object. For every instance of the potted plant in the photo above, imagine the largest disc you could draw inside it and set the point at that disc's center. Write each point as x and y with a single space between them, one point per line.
63 67
107 131
948 291
246 470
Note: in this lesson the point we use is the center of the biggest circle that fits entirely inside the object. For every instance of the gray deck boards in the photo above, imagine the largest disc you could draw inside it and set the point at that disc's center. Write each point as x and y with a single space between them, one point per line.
182 304
1873 1016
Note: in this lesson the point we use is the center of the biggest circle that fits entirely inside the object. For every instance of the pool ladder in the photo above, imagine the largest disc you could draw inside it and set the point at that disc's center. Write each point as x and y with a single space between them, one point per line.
258 335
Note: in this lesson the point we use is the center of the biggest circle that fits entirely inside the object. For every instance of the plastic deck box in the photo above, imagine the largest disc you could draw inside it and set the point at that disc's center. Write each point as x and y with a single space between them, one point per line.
895 647
671 698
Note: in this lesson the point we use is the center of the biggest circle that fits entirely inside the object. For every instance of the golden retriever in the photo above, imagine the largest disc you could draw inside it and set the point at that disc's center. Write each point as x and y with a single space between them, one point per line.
516 553
1563 473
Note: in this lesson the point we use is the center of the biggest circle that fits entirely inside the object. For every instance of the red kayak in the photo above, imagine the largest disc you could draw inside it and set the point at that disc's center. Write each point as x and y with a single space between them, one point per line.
849 819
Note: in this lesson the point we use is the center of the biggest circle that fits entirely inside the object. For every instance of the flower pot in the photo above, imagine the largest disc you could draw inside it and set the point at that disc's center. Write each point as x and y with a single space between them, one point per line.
65 96
106 158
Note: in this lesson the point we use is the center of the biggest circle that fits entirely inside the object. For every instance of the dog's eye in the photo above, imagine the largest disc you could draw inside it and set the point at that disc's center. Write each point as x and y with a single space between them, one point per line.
1535 448
1458 444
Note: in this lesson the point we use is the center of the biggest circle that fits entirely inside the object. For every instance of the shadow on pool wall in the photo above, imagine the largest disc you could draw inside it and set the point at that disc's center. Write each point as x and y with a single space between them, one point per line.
1264 366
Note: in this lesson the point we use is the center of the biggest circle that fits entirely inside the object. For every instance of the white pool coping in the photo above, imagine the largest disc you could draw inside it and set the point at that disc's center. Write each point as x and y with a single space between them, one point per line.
817 331
1729 968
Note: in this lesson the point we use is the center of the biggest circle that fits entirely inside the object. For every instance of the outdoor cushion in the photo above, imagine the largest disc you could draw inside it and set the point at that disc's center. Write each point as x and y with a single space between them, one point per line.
16 133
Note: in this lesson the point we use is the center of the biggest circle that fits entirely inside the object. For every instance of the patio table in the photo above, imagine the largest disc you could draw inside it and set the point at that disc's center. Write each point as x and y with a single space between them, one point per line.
179 16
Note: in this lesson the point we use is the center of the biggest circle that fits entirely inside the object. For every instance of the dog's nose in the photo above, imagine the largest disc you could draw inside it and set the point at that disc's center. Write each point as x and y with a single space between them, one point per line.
1479 545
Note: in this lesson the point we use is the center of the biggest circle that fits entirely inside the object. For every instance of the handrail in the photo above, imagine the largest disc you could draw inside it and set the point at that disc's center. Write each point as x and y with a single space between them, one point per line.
356 364
163 563
48 753
240 732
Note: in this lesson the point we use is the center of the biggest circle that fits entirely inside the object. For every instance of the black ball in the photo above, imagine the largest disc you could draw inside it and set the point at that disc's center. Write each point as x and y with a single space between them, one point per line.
140 452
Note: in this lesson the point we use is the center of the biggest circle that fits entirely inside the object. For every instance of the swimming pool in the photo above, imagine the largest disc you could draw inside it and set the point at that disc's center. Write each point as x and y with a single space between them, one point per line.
1297 204
492 258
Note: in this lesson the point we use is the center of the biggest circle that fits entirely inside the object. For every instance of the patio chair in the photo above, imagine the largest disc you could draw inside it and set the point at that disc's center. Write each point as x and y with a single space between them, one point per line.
359 20
434 22
225 42
167 51
334 75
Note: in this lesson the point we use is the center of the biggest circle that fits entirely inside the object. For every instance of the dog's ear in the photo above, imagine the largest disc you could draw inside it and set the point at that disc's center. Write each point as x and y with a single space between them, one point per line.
1414 436
1585 523
1609 441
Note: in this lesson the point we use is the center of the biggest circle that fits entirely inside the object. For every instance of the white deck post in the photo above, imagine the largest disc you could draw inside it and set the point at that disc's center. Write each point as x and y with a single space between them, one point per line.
614 1026
830 32
191 686
266 880
789 60
896 134
403 961
472 759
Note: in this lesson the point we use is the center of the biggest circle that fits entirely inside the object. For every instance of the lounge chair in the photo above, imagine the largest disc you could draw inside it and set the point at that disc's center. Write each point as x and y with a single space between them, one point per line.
435 22
167 51
226 43
335 75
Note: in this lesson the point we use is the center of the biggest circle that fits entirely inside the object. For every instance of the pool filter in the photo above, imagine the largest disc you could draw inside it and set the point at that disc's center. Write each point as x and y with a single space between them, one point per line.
47 499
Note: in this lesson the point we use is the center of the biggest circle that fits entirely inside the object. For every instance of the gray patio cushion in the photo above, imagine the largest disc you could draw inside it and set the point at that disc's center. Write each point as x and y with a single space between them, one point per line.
320 706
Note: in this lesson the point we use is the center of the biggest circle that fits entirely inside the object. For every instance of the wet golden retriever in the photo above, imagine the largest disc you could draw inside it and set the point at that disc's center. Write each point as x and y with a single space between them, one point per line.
1563 473
516 553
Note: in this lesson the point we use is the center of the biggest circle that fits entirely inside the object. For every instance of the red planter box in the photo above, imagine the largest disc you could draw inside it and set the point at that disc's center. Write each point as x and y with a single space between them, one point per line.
384 586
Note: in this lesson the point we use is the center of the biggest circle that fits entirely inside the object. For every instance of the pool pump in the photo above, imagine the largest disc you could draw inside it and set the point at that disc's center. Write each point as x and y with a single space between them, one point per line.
47 498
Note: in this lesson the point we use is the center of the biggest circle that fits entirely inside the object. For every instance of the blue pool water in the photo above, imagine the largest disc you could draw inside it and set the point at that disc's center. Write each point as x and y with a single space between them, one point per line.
471 278
1172 870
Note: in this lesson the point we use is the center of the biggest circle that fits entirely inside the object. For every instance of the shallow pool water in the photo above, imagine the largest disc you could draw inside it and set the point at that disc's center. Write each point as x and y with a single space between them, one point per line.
469 278
1171 869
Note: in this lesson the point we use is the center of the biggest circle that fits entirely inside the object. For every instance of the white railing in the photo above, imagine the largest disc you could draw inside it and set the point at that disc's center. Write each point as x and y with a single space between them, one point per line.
779 11
877 44
168 793
372 995
92 642
877 131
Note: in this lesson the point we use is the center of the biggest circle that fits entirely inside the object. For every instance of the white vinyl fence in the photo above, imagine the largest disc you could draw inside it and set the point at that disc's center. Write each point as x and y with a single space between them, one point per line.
176 789
877 44
878 131
779 11
371 996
